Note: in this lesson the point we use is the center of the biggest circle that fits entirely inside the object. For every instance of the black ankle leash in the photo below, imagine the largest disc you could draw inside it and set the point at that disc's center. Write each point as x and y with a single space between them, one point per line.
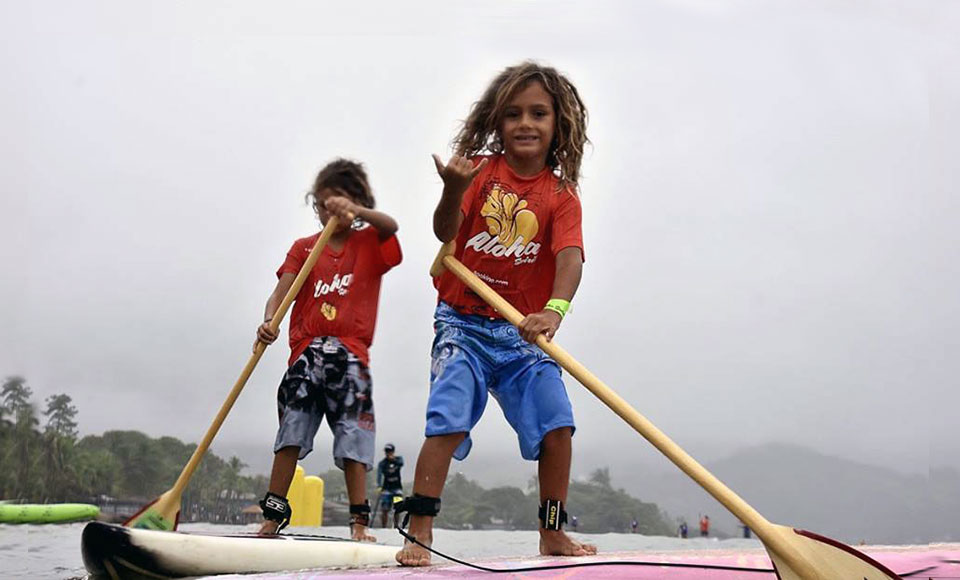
413 540
431 506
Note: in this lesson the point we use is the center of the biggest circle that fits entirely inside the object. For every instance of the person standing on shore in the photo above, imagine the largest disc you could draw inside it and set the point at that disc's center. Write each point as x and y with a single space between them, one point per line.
388 481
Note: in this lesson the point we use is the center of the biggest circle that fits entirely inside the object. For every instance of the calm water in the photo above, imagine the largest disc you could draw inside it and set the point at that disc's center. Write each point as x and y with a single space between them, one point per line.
53 551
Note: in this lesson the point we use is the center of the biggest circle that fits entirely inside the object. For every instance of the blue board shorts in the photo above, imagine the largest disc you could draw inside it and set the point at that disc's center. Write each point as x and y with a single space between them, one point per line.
386 498
328 380
475 355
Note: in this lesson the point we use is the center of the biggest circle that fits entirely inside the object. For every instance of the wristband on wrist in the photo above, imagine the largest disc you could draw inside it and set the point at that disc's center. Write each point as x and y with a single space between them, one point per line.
559 306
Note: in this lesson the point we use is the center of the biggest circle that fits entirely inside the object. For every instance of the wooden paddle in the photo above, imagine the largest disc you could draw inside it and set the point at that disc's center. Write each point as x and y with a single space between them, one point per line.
796 554
163 513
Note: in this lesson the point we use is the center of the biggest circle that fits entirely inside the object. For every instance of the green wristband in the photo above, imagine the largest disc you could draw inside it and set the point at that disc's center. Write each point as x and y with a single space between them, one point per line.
558 305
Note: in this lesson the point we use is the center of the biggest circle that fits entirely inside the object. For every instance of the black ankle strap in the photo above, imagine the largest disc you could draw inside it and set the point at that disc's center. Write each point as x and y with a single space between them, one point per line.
276 508
416 505
360 513
552 515
419 505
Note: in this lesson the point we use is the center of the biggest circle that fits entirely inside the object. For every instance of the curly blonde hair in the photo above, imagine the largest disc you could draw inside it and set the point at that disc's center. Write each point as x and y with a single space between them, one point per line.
481 130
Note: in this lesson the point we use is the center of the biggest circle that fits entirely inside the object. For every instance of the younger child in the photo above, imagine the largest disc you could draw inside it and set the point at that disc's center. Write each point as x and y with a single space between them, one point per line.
515 216
331 329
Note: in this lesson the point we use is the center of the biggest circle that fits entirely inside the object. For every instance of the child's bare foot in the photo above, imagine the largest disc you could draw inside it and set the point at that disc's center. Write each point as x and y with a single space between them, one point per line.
413 555
421 528
359 533
268 528
557 543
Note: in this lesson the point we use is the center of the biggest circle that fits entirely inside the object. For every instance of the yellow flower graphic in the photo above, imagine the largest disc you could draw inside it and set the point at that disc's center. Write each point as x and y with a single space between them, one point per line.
329 311
507 217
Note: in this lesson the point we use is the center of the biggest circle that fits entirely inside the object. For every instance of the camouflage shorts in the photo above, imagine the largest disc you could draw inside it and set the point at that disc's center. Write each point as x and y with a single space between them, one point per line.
327 380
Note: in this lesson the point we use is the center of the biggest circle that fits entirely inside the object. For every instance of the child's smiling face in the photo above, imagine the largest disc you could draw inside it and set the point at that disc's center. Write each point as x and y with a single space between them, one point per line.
528 123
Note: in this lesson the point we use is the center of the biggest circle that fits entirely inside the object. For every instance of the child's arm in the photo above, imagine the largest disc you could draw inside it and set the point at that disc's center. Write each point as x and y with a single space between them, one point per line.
264 332
457 175
565 284
347 210
385 225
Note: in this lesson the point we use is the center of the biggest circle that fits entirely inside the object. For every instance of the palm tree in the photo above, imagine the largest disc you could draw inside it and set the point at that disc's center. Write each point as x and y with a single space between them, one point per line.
25 437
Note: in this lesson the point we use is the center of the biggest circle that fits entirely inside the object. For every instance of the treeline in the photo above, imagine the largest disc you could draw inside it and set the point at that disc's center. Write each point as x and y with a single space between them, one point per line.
597 505
48 463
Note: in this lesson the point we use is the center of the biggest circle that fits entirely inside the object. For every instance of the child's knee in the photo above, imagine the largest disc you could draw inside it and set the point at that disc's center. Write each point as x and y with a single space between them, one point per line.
444 445
450 440
558 436
289 451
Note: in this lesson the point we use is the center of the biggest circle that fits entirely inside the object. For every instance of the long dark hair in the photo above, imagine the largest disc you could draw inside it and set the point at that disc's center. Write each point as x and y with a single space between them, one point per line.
480 131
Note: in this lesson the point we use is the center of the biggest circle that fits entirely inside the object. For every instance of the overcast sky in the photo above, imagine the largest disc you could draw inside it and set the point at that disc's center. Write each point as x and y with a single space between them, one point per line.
770 211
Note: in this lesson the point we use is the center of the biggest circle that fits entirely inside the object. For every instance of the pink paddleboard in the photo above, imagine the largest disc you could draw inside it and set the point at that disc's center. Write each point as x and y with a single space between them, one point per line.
937 561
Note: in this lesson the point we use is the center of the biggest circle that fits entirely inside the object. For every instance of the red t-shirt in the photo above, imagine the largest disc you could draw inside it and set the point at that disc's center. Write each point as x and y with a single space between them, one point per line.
513 227
340 296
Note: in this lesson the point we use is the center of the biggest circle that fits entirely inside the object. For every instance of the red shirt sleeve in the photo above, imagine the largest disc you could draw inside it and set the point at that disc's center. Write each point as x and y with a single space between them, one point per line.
383 254
566 228
295 257
390 253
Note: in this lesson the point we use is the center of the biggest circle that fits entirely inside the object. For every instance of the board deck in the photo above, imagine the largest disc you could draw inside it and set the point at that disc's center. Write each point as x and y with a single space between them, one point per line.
935 562
113 551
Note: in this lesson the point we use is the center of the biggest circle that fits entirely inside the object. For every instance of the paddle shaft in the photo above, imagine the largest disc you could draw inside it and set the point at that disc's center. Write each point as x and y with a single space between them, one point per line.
760 525
191 466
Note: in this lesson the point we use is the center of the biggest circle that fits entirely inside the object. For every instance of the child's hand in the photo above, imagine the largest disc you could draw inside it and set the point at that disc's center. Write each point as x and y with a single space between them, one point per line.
458 173
545 322
342 207
265 334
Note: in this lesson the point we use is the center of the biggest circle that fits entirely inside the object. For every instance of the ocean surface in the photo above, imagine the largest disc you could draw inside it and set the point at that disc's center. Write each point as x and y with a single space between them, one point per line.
53 551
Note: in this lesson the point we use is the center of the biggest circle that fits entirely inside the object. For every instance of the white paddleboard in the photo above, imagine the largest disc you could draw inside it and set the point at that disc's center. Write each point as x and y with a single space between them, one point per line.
118 552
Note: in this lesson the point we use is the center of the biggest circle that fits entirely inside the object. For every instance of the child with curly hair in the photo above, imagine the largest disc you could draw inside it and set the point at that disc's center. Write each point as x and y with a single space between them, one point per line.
510 201
331 330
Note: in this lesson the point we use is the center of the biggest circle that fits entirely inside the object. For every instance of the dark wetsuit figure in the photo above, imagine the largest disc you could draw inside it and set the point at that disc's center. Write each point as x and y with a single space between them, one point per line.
388 480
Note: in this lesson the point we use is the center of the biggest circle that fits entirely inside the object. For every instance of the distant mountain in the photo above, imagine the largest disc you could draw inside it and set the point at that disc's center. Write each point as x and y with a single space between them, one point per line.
795 486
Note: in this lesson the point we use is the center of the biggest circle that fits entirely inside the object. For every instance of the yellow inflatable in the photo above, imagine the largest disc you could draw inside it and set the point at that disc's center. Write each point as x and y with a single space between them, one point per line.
306 500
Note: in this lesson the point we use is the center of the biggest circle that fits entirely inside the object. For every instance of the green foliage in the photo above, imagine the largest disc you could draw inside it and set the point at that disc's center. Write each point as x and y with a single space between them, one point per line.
462 504
335 486
52 466
15 394
601 477
19 441
60 414
598 507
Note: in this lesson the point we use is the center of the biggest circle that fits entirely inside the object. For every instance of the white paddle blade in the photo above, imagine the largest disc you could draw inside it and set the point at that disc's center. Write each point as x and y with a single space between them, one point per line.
829 558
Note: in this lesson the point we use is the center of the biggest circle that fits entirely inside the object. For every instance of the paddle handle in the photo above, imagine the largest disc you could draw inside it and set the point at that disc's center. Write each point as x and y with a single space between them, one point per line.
763 528
191 466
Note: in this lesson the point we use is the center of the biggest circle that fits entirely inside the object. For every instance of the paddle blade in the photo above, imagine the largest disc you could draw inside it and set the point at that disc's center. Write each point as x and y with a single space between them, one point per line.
829 558
161 514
